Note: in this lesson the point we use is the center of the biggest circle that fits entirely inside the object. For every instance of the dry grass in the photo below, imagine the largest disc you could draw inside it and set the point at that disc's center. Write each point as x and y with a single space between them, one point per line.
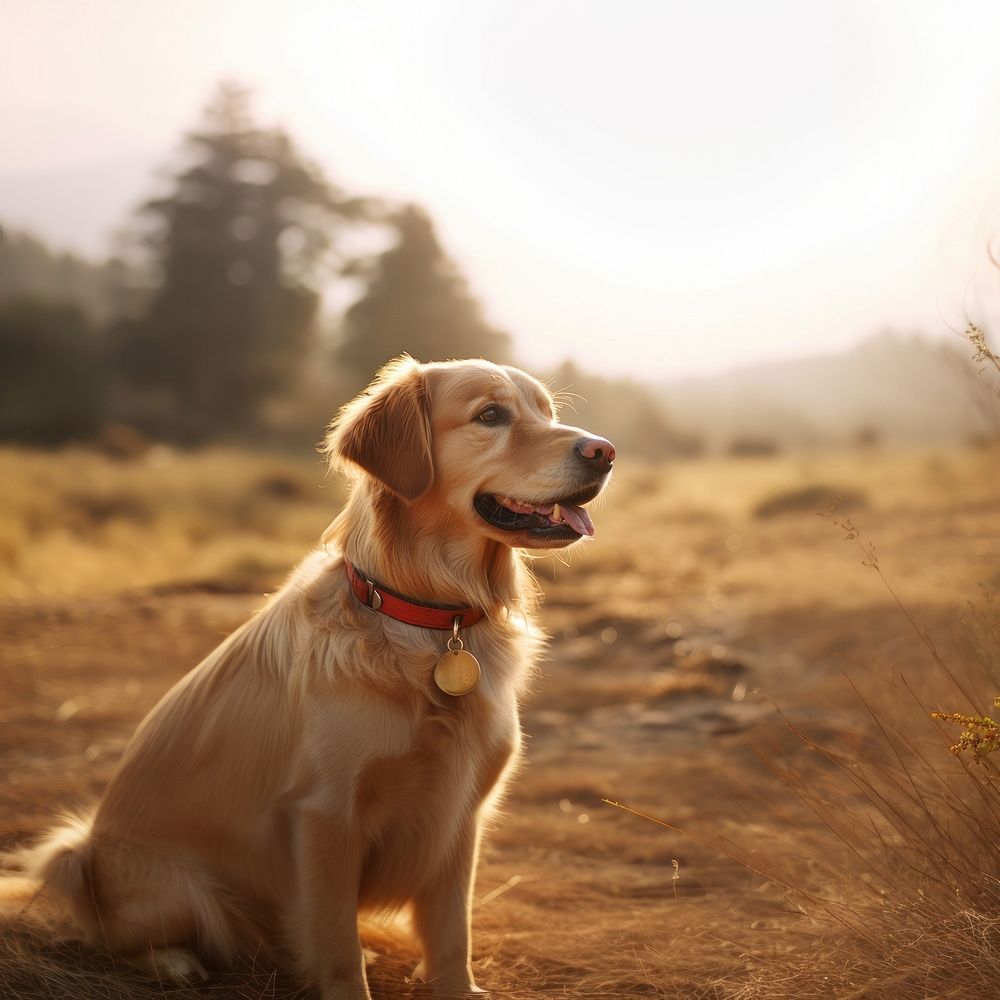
76 522
34 967
914 818
905 862
673 637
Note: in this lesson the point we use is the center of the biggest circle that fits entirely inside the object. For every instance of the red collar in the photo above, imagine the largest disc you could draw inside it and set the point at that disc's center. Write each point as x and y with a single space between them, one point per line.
375 596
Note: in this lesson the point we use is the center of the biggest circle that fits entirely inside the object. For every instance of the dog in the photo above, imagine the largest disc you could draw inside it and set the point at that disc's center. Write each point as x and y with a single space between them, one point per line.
340 751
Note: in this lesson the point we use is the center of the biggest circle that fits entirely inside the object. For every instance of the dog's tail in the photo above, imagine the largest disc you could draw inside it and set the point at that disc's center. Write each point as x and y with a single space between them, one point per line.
61 862
53 886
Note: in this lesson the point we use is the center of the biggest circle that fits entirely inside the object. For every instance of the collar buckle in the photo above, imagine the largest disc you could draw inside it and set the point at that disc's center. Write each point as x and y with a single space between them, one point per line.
374 597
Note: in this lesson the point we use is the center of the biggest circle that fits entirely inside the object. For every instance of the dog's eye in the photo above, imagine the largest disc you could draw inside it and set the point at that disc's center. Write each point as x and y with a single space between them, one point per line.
493 415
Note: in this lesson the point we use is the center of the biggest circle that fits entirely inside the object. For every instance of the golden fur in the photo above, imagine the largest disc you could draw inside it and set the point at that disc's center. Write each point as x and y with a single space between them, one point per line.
309 768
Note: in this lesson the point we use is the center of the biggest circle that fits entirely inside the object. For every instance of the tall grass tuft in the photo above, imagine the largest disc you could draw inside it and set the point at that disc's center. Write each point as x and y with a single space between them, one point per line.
906 874
891 854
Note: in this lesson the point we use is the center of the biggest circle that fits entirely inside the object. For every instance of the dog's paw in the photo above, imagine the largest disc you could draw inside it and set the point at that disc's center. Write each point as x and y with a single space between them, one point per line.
175 965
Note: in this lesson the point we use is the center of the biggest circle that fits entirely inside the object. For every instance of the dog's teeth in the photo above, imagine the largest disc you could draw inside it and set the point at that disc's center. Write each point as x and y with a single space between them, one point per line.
556 512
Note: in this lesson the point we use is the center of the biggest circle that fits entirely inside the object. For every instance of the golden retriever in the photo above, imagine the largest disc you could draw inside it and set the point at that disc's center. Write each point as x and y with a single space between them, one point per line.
311 767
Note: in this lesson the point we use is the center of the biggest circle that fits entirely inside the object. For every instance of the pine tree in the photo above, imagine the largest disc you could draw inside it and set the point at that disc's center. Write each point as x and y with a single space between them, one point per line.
238 245
416 301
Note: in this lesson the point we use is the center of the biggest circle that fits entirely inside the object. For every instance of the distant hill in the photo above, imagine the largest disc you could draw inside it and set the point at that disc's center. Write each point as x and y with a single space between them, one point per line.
892 387
82 206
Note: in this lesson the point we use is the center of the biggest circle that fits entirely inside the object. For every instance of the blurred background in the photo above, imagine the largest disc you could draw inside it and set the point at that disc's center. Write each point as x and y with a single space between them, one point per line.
723 227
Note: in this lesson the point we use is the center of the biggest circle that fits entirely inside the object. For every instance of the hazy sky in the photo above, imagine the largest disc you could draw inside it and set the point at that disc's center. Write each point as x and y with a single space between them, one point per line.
661 187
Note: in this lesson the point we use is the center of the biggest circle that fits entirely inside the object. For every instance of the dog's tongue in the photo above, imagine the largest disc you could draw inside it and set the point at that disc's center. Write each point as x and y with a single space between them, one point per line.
578 519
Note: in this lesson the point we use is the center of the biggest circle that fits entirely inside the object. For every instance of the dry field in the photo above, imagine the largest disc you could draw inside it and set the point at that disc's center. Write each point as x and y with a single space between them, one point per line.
720 660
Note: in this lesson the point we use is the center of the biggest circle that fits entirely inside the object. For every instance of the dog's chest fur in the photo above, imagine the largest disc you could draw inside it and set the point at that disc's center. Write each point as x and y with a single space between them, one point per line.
408 768
411 807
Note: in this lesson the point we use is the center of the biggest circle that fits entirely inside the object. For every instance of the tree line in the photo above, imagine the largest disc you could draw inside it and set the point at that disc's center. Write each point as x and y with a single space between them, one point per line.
208 323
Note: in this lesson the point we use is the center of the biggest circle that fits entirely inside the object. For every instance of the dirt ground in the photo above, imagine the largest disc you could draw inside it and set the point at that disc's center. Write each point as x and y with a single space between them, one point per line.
682 639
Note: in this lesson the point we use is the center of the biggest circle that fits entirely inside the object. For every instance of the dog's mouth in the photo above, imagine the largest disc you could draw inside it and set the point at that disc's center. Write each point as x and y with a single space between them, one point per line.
552 519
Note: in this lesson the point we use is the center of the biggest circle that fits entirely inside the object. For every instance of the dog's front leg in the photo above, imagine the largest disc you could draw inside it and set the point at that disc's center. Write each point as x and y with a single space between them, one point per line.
442 920
329 879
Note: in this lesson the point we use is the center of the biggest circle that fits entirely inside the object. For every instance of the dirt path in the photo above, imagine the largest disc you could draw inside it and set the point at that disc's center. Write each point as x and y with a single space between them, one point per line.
571 891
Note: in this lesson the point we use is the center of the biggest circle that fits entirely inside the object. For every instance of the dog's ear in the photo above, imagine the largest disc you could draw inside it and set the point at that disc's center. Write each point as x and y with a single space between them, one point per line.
386 431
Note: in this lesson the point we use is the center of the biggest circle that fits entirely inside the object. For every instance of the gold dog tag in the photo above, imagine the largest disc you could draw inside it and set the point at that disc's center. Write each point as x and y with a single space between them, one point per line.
458 671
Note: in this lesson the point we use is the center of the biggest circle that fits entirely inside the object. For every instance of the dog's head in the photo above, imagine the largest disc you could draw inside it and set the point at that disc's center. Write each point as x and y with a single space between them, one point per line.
478 446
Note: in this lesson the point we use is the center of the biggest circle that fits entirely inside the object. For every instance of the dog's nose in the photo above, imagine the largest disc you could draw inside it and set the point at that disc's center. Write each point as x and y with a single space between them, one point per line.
597 452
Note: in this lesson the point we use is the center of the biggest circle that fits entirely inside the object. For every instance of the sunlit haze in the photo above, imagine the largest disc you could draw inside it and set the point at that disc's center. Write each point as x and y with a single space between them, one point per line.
655 188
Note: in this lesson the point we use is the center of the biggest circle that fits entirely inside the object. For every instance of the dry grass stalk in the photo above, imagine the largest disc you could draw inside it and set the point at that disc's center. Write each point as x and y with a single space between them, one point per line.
916 846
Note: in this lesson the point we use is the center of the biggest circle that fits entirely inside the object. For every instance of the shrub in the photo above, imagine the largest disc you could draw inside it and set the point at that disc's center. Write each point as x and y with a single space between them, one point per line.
811 499
753 447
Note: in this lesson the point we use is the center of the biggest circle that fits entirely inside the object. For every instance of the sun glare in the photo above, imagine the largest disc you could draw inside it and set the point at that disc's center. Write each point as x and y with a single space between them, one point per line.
715 182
